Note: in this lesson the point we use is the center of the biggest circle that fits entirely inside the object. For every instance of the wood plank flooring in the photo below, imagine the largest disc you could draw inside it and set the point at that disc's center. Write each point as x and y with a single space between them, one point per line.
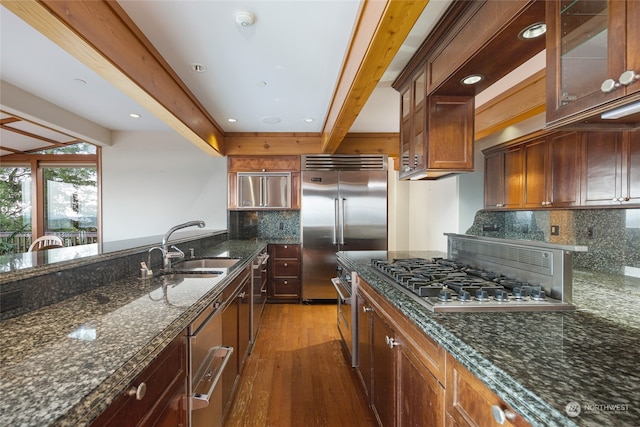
297 374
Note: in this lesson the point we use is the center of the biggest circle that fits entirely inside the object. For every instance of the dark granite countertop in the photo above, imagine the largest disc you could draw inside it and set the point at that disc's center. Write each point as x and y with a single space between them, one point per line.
63 364
541 362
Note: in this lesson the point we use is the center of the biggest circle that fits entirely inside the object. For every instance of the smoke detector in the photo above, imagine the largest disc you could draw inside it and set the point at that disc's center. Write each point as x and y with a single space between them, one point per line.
245 19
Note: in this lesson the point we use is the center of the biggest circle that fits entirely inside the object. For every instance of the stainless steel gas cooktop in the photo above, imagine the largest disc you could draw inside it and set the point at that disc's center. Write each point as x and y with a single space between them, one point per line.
482 274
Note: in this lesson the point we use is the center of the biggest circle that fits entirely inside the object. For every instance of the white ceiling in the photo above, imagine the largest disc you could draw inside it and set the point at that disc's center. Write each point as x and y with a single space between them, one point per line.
285 66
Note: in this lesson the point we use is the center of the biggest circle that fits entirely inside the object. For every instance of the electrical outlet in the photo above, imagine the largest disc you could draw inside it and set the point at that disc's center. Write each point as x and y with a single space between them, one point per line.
555 230
590 232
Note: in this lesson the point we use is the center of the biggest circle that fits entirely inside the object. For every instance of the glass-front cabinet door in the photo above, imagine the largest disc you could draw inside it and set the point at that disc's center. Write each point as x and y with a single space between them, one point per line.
405 132
413 126
587 54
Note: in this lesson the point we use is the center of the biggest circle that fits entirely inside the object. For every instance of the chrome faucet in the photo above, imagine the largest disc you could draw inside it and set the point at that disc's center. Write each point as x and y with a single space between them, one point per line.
168 255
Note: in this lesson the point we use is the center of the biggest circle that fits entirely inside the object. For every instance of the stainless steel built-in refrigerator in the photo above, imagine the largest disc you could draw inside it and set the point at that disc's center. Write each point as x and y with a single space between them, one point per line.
344 208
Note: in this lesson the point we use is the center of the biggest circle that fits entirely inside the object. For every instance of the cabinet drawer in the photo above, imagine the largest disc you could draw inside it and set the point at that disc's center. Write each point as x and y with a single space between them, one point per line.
162 378
286 287
286 268
285 251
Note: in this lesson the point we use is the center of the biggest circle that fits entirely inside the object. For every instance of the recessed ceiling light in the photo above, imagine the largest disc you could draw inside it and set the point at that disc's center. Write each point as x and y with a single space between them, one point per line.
198 68
135 115
309 120
533 31
271 120
232 120
472 79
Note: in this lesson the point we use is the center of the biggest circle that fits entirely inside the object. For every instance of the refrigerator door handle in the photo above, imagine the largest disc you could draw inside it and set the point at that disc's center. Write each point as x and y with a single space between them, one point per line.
343 200
265 191
335 221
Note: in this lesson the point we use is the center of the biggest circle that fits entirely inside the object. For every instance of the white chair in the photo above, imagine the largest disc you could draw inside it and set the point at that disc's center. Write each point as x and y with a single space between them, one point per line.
46 242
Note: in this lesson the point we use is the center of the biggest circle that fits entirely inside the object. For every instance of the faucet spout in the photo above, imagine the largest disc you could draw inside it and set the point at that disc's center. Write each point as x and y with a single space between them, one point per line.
167 254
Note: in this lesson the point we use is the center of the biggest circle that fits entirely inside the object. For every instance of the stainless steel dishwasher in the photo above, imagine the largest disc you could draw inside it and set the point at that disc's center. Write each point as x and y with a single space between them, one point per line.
208 358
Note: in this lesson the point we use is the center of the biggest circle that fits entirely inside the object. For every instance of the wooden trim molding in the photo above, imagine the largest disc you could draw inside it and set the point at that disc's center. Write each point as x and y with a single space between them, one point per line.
382 29
522 101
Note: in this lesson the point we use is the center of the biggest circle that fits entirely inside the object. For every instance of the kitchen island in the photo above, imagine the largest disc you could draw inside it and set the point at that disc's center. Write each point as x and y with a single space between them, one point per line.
541 362
63 364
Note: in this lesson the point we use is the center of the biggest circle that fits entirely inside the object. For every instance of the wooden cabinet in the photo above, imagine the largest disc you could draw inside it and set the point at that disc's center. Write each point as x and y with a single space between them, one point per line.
383 363
237 164
157 397
402 369
503 178
551 174
542 171
365 347
593 57
611 168
436 133
284 273
471 403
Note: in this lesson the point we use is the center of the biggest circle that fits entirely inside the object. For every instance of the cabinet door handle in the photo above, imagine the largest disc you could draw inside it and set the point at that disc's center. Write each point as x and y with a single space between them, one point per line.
391 342
501 416
366 309
609 85
241 295
286 282
628 77
138 392
285 264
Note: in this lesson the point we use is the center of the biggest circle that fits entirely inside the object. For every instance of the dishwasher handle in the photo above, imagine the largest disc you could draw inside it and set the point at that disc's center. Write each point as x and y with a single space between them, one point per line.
336 284
200 400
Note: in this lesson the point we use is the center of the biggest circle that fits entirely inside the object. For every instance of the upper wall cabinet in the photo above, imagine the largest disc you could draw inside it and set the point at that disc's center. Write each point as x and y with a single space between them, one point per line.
436 132
474 38
611 168
593 60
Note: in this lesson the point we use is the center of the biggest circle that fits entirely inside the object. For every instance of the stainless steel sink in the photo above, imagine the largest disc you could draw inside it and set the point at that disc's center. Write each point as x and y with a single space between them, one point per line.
204 264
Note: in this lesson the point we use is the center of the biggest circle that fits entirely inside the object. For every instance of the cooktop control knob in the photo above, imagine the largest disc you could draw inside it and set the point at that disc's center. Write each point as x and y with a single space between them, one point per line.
500 295
464 296
444 295
538 294
482 295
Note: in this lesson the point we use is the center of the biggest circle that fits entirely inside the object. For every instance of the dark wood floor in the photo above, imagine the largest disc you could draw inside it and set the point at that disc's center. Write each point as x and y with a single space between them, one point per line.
298 375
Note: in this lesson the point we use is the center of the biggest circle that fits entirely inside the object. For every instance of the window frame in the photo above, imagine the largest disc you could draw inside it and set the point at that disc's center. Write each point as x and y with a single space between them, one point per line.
37 162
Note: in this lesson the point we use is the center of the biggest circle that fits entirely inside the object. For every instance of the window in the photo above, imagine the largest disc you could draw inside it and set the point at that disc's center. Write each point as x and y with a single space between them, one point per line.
53 191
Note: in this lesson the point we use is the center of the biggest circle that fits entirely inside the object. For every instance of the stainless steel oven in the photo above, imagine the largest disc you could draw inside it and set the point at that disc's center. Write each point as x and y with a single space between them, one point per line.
347 327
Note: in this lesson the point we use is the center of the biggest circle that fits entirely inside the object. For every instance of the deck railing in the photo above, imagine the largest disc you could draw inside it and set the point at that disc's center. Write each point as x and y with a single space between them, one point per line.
22 241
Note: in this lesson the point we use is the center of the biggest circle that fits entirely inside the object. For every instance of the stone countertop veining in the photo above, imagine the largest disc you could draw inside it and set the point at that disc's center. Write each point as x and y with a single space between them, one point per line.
63 364
540 362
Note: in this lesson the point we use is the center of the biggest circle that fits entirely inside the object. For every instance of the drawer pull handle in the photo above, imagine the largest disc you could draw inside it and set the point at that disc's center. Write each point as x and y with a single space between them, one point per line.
286 265
138 392
501 416
366 309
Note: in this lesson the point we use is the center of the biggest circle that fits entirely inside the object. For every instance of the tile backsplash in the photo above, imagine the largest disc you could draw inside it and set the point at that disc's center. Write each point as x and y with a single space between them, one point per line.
612 235
265 224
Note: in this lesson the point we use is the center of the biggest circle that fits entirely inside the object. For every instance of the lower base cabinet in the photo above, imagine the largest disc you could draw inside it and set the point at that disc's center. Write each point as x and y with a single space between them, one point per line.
403 390
157 396
471 403
412 381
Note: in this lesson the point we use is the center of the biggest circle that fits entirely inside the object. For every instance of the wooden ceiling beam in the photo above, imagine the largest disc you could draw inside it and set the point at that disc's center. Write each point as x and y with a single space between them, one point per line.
103 37
381 30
